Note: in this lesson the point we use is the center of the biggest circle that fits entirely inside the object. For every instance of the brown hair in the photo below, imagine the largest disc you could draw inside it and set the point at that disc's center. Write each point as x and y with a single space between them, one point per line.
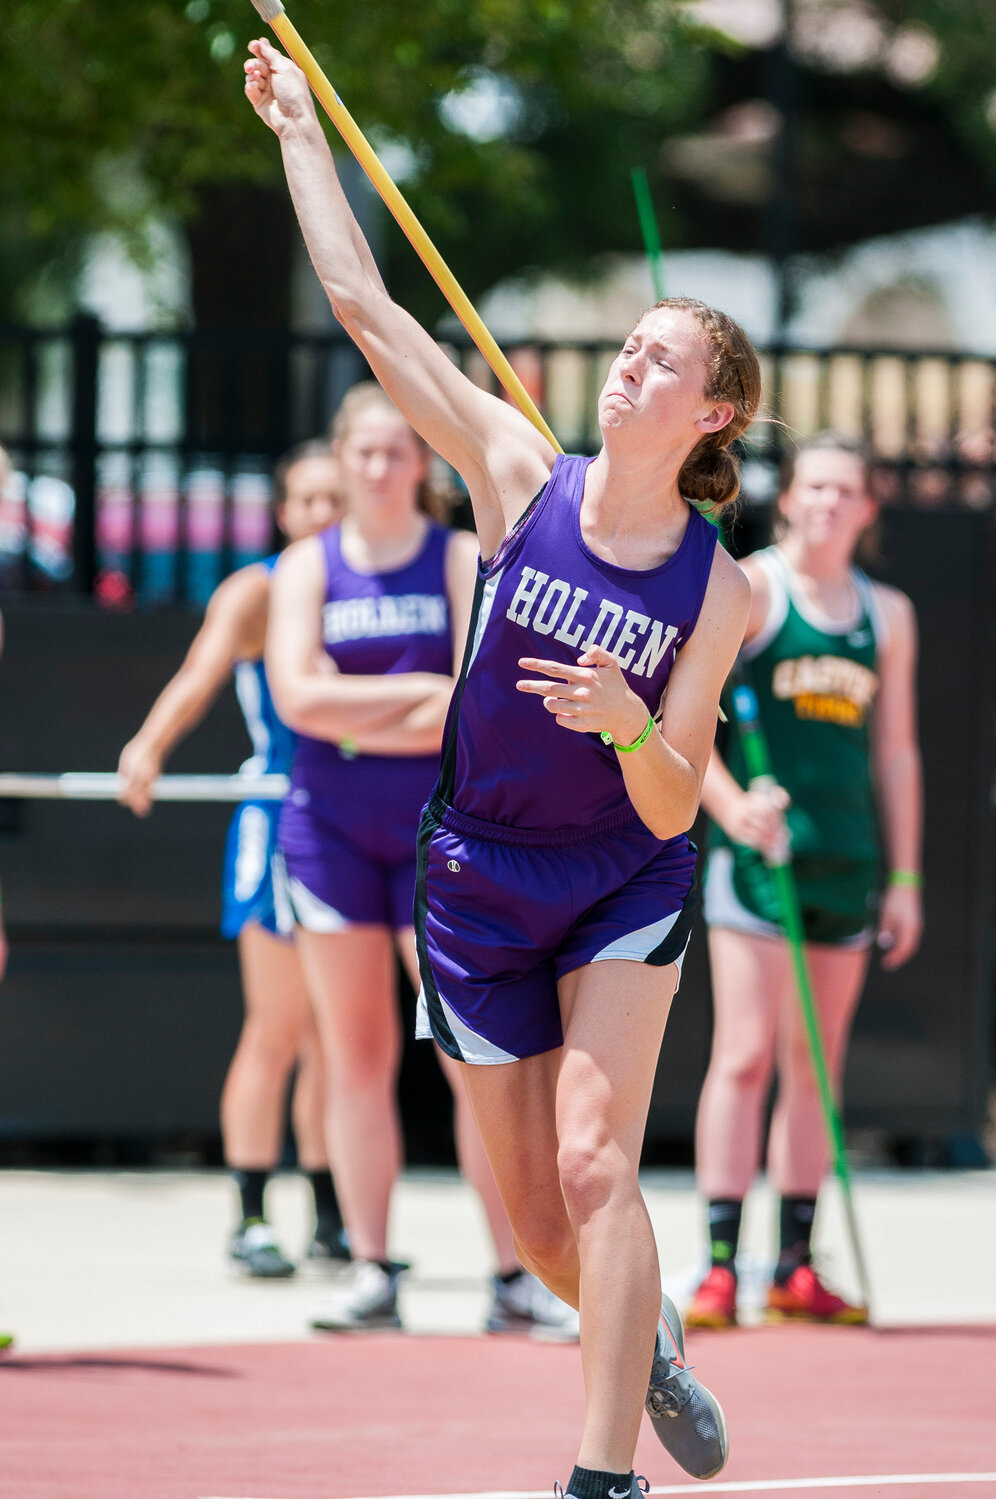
315 447
434 497
824 442
710 474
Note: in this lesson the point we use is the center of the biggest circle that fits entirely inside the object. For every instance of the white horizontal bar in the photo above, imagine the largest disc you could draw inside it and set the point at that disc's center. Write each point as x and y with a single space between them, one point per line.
100 786
746 1486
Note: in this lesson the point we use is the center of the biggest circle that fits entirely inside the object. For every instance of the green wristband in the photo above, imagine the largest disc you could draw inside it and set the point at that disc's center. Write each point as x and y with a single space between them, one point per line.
627 749
906 879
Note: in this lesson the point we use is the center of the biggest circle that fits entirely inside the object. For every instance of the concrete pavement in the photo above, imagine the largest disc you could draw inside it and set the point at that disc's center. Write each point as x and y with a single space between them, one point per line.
119 1259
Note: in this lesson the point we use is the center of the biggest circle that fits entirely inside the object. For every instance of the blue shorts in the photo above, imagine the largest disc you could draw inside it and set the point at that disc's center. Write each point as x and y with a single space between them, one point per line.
332 883
247 885
501 915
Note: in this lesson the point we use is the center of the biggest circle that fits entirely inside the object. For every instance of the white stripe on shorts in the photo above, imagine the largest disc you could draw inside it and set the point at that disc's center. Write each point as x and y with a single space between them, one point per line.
474 1048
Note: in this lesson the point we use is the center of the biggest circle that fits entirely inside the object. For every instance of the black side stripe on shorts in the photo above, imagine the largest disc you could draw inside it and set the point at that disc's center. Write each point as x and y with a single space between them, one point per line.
674 944
437 1015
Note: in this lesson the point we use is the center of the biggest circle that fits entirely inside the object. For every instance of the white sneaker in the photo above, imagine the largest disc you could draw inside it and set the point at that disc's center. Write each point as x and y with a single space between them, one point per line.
526 1305
365 1297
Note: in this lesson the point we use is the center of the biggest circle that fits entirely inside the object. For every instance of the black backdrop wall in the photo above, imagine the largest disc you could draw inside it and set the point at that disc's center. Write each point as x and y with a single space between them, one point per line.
121 1006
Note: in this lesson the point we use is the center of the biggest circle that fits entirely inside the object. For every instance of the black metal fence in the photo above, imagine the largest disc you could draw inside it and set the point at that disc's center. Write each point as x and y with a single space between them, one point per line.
140 462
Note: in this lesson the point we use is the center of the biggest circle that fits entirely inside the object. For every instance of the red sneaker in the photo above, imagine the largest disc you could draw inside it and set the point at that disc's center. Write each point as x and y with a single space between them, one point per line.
715 1302
804 1298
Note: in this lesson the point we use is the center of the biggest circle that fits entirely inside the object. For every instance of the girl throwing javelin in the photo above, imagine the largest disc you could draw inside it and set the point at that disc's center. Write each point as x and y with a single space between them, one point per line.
278 1030
833 658
555 880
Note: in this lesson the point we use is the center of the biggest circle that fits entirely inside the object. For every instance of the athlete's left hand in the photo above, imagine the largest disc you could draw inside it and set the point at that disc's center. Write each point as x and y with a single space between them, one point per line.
900 924
590 698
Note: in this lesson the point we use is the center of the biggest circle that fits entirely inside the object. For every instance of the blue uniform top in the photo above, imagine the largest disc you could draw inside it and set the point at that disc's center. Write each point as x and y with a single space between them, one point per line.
546 594
272 741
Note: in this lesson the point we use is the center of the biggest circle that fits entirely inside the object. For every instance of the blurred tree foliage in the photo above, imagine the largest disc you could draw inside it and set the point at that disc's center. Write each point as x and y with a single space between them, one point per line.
115 112
964 79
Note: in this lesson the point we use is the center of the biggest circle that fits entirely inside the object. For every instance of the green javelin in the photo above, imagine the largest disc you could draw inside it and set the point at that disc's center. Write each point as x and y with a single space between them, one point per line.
758 763
648 227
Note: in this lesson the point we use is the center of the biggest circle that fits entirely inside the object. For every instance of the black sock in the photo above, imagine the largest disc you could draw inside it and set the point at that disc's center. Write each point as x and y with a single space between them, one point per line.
328 1218
508 1276
795 1232
724 1230
587 1484
251 1185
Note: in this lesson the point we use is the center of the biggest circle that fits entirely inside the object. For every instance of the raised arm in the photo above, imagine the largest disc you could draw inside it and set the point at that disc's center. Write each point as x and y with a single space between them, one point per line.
898 778
308 693
234 629
502 458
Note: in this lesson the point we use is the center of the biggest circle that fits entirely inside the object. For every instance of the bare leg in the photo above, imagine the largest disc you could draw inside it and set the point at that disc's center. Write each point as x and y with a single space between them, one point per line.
750 978
277 1016
798 1150
563 1133
474 1164
351 980
308 1100
603 1094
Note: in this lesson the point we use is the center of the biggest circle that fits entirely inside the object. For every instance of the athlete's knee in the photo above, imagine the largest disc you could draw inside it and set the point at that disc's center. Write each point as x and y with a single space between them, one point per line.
591 1166
545 1245
748 1069
268 1045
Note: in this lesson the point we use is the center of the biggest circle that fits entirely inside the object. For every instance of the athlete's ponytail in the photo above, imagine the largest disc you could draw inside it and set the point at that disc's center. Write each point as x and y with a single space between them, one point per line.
711 473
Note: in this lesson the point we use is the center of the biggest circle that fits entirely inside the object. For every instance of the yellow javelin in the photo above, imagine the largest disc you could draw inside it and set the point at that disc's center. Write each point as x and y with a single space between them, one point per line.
273 13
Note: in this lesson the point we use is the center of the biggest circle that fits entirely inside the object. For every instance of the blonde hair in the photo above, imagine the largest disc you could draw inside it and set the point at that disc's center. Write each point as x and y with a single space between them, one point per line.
434 497
710 474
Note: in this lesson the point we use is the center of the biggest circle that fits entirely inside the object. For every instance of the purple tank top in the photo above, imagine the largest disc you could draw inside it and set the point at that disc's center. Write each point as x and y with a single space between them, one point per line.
375 624
546 594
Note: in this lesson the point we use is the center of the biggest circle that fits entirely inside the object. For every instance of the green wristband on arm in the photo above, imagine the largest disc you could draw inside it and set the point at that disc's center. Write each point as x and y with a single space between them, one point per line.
627 749
906 879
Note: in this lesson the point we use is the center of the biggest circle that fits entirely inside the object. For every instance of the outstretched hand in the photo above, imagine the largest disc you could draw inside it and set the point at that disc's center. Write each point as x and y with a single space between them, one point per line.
275 87
590 698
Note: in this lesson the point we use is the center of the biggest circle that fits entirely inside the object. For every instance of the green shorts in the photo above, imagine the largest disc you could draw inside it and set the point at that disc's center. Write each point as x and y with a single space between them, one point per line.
838 898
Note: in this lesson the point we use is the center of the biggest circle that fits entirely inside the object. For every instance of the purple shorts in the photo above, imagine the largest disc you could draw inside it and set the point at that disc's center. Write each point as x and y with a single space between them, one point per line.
501 914
330 883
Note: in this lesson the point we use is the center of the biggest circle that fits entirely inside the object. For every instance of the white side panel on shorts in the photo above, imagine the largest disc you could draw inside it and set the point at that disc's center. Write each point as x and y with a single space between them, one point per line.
637 946
251 854
474 1048
283 911
311 913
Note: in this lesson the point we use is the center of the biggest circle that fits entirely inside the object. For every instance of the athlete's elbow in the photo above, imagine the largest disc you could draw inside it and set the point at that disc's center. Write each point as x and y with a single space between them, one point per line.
667 817
292 704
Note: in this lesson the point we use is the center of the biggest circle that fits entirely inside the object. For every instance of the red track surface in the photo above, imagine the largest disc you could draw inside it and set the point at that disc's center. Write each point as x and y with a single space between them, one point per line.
386 1414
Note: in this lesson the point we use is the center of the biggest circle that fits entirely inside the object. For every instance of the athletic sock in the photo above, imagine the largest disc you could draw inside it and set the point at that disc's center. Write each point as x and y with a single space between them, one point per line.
328 1218
587 1484
795 1232
251 1185
725 1214
508 1278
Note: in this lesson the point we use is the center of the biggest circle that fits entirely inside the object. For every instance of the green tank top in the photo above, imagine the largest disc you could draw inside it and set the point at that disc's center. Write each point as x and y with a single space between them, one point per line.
816 683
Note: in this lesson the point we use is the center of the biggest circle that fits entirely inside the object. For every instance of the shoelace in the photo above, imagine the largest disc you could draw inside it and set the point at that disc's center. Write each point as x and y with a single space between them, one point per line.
664 1402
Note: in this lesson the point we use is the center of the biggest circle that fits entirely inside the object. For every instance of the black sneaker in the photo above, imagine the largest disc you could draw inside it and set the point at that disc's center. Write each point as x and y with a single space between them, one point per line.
256 1252
687 1418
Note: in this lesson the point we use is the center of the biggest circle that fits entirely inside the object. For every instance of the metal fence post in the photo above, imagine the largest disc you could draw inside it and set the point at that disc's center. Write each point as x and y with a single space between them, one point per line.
85 334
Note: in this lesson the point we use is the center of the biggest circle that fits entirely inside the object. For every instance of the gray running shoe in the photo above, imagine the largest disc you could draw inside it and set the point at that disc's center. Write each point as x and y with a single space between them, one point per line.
327 1255
255 1251
525 1305
365 1298
687 1418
